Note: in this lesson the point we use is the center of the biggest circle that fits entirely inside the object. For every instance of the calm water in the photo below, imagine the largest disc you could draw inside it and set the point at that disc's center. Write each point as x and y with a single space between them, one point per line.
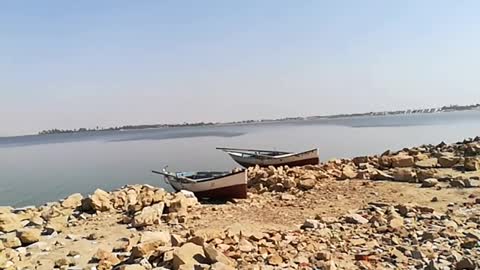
37 169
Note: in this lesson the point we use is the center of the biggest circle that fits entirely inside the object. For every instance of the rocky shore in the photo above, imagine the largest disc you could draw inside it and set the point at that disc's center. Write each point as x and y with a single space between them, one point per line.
417 208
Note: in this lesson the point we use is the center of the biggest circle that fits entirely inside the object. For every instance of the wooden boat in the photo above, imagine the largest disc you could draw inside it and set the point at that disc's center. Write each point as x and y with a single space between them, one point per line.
265 158
209 184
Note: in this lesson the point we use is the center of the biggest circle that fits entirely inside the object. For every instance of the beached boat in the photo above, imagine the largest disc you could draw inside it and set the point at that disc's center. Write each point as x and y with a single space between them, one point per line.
210 184
265 158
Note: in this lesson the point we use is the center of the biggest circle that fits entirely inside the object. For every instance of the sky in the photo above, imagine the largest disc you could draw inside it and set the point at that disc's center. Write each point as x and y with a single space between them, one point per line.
71 64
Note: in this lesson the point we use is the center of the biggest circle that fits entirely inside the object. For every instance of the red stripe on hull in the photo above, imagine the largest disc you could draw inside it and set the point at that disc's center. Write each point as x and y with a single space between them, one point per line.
311 161
237 191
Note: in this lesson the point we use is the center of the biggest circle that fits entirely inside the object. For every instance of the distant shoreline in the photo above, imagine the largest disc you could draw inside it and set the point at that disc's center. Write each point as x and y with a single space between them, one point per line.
451 108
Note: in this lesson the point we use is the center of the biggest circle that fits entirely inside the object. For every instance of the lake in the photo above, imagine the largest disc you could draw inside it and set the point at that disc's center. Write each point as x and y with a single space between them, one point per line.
40 168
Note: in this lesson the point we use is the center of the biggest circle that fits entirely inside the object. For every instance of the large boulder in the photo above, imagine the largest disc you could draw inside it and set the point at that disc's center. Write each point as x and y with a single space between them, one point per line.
427 163
381 175
148 216
73 201
360 160
425 174
306 184
472 163
214 256
29 236
348 172
402 161
10 240
448 160
404 175
98 201
188 255
9 222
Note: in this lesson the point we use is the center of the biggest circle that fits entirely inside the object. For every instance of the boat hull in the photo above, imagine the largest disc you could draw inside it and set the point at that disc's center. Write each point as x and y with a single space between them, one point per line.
230 186
300 159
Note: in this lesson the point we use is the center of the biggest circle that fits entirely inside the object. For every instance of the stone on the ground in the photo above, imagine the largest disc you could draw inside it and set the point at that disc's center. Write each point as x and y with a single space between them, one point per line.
102 255
73 201
306 184
131 267
214 256
429 182
381 175
311 224
348 172
402 160
472 163
98 201
148 216
427 163
10 240
355 219
188 255
404 175
29 236
9 222
221 266
448 160
466 264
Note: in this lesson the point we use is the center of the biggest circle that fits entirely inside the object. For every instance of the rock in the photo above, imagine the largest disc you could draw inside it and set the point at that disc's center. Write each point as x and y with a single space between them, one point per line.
158 236
98 201
145 249
396 223
385 161
287 197
221 266
402 161
457 183
188 255
106 256
427 163
430 182
148 216
404 175
63 262
9 222
29 236
306 184
381 175
448 160
73 201
214 256
11 241
348 172
355 219
425 174
465 264
472 164
275 260
323 256
131 267
312 224
245 246
360 160
56 224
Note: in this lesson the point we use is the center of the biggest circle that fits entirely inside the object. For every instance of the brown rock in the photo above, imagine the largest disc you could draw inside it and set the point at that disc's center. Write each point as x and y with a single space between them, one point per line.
221 266
348 172
430 182
9 222
472 164
29 236
98 201
73 201
275 259
130 267
306 184
245 246
448 160
404 175
105 256
381 175
402 161
214 256
149 216
188 255
11 241
427 163
466 264
355 219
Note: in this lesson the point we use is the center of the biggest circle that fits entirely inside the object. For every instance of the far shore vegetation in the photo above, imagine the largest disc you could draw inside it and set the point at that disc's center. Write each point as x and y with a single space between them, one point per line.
450 108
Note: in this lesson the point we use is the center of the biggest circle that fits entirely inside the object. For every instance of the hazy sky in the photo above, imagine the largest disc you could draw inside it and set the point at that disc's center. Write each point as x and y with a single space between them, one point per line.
69 64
